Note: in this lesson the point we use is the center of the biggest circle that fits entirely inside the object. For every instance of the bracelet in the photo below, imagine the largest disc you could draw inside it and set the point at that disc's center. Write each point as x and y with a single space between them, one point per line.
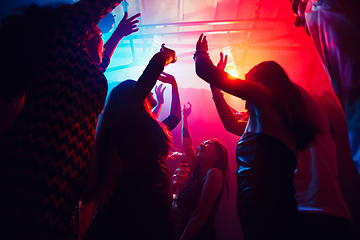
200 51
218 97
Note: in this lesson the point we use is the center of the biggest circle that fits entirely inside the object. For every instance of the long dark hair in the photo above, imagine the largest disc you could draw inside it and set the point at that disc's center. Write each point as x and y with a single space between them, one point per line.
221 163
290 103
106 166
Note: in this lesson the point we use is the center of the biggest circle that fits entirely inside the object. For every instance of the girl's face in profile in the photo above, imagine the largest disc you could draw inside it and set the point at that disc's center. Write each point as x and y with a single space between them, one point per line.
206 150
94 45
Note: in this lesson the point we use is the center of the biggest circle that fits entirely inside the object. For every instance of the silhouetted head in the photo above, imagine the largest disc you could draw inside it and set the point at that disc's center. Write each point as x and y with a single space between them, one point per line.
94 44
288 101
213 151
270 74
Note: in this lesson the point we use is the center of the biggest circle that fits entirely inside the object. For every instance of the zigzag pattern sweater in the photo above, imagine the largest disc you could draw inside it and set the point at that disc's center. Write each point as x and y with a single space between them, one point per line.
45 156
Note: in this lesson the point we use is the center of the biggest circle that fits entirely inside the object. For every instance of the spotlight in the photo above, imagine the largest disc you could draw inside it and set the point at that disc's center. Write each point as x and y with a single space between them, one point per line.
156 45
107 23
231 66
233 71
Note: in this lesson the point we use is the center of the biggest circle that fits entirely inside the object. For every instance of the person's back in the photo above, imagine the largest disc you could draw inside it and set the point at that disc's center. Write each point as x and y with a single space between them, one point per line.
265 199
128 168
316 178
188 201
144 192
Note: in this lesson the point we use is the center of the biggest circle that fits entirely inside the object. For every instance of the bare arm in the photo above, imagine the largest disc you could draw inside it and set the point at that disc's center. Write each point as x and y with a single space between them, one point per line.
124 28
142 87
186 139
159 92
175 97
209 193
82 15
226 113
254 92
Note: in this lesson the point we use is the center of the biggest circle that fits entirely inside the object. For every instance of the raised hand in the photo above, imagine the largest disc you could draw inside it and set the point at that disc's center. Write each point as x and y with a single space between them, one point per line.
128 26
187 110
171 51
222 62
298 7
167 78
202 44
159 92
124 28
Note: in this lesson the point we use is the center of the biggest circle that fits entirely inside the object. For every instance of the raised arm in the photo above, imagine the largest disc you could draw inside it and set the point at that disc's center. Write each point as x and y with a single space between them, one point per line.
159 92
175 97
211 188
83 15
254 92
226 113
126 27
145 83
186 139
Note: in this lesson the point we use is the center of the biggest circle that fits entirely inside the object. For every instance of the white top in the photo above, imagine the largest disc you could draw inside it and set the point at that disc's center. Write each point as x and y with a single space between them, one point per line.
316 180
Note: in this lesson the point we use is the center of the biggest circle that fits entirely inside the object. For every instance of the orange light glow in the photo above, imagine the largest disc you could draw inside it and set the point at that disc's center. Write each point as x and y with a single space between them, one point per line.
233 71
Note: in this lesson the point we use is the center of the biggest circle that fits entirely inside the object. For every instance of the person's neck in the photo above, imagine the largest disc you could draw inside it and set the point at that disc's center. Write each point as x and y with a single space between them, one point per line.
205 168
178 188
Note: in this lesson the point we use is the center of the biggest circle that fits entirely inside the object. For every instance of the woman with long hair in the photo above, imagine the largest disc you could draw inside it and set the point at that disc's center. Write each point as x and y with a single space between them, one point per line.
128 169
278 127
199 199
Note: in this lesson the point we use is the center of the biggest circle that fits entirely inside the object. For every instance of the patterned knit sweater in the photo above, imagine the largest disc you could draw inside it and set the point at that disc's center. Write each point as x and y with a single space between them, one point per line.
45 156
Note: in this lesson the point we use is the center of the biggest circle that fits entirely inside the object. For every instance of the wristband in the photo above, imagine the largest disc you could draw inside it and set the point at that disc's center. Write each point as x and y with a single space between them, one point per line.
200 51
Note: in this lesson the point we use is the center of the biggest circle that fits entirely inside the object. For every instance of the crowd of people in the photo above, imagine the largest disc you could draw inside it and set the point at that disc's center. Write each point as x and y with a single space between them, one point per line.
63 142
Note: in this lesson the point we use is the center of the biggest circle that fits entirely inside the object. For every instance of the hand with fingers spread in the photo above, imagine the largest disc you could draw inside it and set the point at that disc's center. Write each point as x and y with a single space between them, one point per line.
175 109
202 44
159 92
222 62
128 26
